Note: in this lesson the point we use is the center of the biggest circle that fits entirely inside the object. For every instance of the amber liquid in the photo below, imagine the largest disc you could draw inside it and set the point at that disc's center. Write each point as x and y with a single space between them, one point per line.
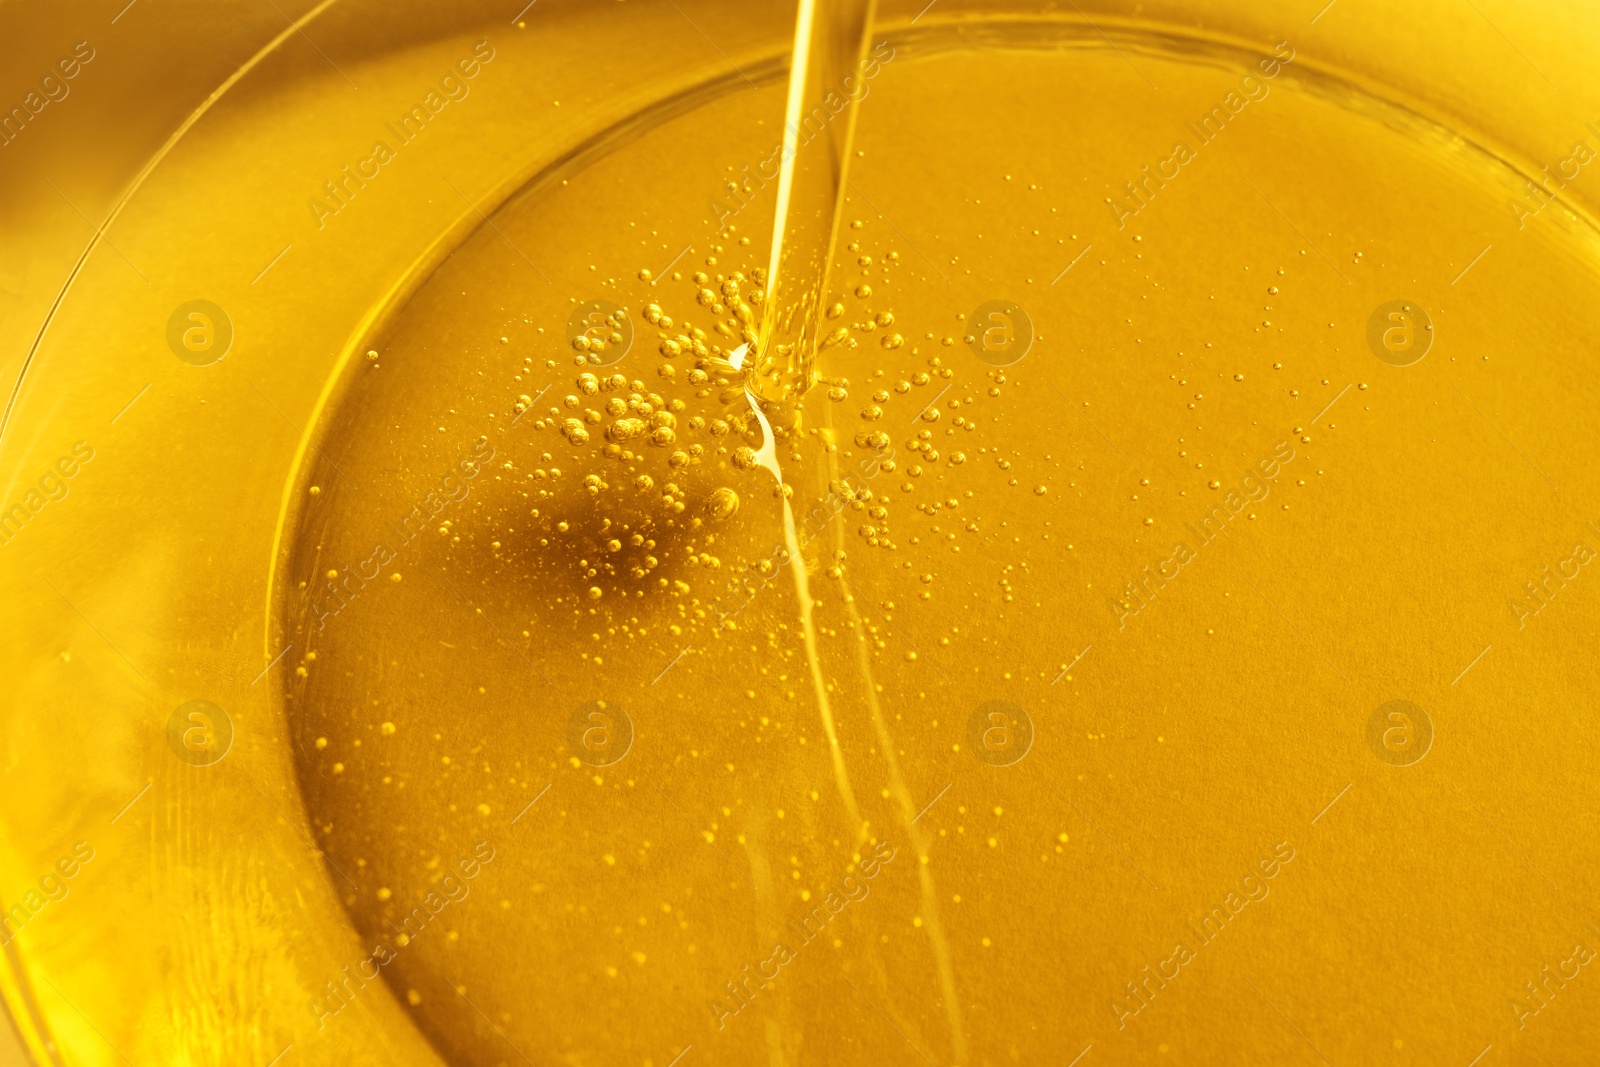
1141 532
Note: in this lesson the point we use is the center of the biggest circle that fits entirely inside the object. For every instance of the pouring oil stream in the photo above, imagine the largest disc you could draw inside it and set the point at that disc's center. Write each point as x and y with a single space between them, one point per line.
831 42
830 48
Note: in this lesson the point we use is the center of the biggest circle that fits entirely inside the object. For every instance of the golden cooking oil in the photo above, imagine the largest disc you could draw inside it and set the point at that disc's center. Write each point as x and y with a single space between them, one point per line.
1121 595
690 662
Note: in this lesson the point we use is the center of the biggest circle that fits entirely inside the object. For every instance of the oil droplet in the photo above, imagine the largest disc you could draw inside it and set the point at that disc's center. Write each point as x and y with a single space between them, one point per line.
722 504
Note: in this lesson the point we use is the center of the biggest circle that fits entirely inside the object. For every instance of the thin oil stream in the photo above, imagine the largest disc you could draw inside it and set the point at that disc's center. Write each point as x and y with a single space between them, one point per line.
831 39
907 809
830 46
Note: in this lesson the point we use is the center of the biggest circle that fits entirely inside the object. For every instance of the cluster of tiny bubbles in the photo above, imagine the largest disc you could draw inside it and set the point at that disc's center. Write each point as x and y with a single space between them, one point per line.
600 332
666 452
651 449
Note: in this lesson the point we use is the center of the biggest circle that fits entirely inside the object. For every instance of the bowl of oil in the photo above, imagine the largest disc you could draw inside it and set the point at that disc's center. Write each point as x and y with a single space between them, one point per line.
452 622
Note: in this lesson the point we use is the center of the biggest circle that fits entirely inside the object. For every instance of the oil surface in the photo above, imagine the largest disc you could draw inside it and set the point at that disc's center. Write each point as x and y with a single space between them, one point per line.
551 630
